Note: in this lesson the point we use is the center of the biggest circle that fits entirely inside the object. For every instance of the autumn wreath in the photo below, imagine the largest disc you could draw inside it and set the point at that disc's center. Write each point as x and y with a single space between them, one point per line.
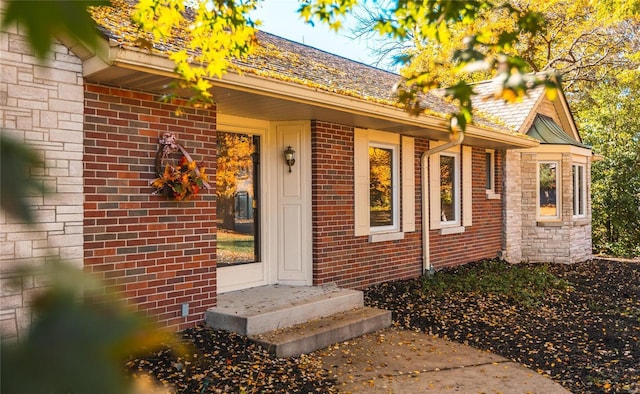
181 181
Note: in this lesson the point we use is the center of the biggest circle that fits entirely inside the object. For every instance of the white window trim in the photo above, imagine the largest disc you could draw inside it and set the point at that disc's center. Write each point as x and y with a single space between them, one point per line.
405 182
576 191
408 184
491 192
456 190
551 159
464 184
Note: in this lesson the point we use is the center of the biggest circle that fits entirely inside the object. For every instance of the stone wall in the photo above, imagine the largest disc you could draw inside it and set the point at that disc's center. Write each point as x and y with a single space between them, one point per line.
512 217
581 242
528 239
42 105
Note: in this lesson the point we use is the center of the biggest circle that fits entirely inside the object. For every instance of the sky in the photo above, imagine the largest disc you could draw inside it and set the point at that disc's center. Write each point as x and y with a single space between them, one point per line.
280 17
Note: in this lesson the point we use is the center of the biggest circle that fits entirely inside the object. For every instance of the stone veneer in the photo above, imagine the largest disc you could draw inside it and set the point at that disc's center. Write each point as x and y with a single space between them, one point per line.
42 105
527 239
512 218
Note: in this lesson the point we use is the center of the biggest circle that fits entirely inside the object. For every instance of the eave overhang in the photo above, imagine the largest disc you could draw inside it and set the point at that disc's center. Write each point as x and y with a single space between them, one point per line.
253 96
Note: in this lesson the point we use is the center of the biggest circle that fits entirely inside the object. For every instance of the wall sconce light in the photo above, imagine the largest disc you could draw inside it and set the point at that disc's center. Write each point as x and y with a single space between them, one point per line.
289 157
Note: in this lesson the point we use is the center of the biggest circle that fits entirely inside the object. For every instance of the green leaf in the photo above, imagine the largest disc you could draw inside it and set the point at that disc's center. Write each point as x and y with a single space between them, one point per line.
16 163
44 20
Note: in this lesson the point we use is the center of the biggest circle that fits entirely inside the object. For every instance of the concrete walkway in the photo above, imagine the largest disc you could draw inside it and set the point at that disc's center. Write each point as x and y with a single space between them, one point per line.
399 361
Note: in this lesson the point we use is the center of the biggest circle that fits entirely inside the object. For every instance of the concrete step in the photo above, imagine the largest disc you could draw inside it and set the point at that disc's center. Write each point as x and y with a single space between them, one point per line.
267 308
320 333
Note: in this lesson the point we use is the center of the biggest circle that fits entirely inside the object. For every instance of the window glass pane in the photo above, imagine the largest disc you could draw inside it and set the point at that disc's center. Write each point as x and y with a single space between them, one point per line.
381 186
489 170
581 191
237 205
447 188
579 198
576 196
578 189
548 193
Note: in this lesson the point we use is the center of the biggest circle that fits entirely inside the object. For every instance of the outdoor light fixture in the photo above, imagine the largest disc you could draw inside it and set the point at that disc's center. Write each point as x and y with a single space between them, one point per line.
289 157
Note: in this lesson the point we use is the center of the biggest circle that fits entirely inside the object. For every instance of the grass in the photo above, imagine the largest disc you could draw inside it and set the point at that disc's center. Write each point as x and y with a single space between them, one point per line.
524 284
235 247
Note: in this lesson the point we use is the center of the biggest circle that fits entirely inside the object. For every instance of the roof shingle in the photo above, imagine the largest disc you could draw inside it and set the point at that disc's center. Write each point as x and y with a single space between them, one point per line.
285 60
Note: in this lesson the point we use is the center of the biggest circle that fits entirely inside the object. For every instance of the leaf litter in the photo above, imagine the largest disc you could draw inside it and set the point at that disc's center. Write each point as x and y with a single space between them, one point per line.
577 324
580 325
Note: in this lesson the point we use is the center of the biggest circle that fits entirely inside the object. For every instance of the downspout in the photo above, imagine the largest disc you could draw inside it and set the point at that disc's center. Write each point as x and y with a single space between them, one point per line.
426 254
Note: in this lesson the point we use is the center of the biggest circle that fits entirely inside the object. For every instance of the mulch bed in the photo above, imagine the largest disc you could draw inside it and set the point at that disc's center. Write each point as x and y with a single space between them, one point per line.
586 336
222 362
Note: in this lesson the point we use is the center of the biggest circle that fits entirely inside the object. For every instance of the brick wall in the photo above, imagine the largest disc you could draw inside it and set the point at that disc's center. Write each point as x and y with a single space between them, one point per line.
355 262
339 256
156 253
41 105
484 238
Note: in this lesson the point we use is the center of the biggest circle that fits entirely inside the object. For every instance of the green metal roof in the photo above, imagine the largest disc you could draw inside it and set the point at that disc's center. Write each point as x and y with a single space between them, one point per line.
547 131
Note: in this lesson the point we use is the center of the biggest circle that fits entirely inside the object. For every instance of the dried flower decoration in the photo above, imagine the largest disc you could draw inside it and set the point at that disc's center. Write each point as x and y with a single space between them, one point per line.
182 181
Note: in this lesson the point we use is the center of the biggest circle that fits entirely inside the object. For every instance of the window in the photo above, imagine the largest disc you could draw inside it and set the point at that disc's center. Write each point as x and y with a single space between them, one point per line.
383 190
237 211
579 190
450 189
489 171
384 184
548 190
490 174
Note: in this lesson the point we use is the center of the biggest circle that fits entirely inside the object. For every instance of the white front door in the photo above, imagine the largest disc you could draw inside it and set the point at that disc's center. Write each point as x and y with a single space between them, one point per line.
263 210
294 253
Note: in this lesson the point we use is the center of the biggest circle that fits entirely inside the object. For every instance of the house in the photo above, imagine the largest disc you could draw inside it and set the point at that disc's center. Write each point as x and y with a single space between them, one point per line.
547 210
374 194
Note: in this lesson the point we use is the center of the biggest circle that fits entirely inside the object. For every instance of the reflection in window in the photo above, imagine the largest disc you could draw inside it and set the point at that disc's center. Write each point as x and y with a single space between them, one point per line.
548 204
237 188
381 186
448 192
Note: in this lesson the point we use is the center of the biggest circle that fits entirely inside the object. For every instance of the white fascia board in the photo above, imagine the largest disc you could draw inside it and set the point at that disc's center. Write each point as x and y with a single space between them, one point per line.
501 137
299 93
109 54
547 148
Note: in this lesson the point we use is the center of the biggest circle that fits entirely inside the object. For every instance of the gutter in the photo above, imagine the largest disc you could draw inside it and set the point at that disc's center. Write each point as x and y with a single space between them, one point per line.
427 268
100 64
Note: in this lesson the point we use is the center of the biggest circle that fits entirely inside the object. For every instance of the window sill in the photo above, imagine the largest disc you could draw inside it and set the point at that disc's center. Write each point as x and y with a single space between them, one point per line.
555 223
493 196
452 230
581 221
382 237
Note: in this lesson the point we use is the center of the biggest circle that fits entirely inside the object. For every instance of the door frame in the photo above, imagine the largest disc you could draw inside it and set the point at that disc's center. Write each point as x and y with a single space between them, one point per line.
275 240
254 274
294 251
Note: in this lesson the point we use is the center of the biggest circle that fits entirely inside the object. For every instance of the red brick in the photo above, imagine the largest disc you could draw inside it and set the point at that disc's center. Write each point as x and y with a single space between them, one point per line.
126 139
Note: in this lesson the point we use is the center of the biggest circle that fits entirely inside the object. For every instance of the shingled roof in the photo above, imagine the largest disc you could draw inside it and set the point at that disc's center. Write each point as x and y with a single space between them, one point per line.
512 114
281 59
285 59
278 58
